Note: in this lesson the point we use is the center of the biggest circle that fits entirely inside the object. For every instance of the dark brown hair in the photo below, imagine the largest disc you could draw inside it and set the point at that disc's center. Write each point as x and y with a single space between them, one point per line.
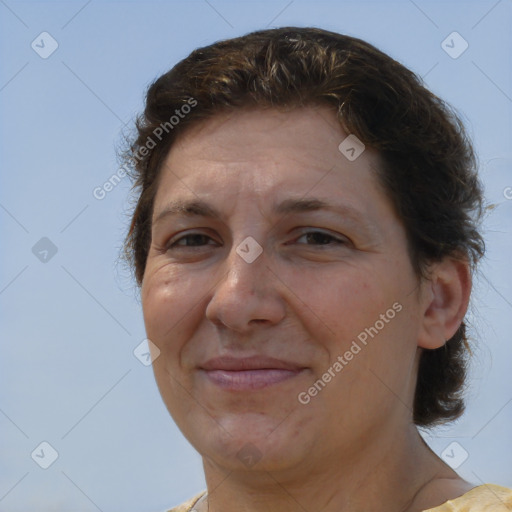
428 170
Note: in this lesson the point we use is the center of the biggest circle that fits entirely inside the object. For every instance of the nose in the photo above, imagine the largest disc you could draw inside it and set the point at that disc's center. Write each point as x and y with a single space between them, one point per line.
247 295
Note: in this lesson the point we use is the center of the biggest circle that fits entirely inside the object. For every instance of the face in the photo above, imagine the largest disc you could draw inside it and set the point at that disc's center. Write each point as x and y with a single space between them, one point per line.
279 291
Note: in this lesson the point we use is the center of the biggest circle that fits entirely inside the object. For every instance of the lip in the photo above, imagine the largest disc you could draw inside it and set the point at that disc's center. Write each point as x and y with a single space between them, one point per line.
249 373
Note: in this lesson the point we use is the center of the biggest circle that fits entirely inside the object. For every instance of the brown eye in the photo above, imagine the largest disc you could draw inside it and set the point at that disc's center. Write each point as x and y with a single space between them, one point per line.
319 238
192 240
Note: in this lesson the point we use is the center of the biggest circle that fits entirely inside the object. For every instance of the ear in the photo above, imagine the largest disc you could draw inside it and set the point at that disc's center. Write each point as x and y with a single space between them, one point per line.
445 300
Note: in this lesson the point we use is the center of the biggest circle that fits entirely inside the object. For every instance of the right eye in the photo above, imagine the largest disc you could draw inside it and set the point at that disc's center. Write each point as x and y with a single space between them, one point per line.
191 240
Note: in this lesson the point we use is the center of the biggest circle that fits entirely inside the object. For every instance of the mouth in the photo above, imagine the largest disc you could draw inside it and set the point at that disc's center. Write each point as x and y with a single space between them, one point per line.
250 373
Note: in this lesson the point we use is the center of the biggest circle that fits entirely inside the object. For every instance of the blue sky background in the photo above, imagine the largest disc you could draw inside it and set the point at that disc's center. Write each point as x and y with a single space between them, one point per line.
68 375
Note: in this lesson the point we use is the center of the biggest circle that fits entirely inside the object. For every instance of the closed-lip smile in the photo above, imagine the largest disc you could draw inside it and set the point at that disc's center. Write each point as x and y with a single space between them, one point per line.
249 373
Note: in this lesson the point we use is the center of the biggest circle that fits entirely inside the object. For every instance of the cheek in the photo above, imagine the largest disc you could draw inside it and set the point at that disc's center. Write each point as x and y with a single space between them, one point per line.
169 301
363 314
345 302
170 309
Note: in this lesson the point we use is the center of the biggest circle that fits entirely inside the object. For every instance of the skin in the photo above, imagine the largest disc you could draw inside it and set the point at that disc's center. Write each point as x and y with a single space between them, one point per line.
322 278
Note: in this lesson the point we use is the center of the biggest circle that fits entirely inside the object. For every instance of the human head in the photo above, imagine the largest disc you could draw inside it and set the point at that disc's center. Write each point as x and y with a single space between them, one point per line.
428 165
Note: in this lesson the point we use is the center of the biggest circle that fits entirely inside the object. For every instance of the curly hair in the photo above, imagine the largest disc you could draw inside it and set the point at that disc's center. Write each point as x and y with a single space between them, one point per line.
428 169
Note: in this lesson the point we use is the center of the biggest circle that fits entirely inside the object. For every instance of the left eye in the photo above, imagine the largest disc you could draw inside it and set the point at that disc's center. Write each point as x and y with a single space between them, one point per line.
319 238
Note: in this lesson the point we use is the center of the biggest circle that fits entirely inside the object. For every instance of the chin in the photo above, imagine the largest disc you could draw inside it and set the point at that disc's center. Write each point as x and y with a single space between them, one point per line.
252 442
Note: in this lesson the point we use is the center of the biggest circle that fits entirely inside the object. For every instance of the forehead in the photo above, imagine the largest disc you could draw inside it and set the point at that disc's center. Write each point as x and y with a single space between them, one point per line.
311 133
266 152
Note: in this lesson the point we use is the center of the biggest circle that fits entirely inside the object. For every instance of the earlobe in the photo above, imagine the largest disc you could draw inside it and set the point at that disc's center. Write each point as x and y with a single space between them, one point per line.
445 301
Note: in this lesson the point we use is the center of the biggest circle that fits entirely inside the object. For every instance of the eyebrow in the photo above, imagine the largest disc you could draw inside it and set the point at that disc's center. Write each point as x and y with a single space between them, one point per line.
187 209
287 207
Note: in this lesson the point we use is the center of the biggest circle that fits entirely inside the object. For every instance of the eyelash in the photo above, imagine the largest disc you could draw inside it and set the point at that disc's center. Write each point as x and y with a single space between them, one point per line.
176 243
334 238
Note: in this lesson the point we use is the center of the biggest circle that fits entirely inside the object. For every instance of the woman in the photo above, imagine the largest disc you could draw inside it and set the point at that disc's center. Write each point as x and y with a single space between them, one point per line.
304 238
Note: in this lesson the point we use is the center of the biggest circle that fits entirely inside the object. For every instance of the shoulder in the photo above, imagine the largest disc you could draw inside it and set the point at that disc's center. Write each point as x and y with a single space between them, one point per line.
188 505
487 497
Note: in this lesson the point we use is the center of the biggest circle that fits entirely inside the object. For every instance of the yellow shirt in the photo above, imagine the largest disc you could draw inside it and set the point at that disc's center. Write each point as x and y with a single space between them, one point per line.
484 498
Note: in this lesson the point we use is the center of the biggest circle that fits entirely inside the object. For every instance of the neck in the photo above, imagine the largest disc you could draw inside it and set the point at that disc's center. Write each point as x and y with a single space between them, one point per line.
384 475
